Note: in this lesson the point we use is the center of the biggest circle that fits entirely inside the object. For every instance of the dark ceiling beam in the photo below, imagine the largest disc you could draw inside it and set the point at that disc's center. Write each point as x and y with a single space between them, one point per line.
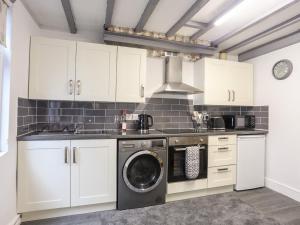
199 4
109 12
251 24
69 15
264 33
274 45
226 8
154 43
196 25
146 15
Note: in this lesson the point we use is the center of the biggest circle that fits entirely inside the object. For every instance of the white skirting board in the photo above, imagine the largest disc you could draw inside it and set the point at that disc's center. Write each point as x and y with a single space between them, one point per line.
29 216
15 221
199 193
283 189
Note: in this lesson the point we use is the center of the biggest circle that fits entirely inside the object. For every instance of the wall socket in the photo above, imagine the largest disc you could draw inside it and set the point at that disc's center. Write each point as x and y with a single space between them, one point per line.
132 116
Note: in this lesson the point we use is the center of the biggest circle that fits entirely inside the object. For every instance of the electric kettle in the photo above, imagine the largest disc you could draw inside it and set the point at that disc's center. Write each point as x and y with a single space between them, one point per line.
144 122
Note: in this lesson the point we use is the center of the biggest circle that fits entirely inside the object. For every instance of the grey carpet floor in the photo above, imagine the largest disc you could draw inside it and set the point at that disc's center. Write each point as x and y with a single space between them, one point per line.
272 204
222 209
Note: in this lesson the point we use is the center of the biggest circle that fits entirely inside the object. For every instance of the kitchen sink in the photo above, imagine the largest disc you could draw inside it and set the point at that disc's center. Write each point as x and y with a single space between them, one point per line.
74 132
53 132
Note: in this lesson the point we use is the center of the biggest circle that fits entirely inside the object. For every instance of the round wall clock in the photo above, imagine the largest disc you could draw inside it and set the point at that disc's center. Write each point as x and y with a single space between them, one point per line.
282 69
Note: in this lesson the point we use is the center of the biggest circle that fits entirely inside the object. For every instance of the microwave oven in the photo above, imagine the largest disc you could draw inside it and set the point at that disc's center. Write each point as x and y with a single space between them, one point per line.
239 122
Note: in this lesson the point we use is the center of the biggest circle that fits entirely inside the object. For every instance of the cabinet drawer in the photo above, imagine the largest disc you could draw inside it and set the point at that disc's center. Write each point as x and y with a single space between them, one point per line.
222 140
221 155
221 176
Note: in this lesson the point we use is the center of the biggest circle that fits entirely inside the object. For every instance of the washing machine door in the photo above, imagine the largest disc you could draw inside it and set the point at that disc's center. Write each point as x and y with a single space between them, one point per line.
143 171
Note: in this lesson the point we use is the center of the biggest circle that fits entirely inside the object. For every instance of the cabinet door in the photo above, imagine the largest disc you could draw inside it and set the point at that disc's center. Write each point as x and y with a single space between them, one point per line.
43 175
95 72
52 69
93 172
241 83
131 71
217 82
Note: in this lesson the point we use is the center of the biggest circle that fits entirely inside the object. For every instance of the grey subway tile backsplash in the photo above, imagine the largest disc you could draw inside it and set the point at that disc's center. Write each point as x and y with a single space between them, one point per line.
27 119
36 115
261 112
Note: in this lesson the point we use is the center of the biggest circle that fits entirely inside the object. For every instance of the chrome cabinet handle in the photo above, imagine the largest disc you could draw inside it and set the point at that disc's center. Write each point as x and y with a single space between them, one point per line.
78 87
74 155
142 91
184 149
71 87
66 155
224 149
233 95
223 138
229 95
221 170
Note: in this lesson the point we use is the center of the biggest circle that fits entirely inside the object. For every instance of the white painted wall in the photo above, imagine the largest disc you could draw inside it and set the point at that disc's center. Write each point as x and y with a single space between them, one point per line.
22 27
86 36
283 98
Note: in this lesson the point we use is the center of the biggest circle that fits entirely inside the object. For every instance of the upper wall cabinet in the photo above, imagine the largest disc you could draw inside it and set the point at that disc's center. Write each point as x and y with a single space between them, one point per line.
69 70
224 82
131 72
95 72
52 69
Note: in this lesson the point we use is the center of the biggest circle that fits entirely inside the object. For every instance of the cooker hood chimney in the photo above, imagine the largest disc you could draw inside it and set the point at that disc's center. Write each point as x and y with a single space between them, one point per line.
173 78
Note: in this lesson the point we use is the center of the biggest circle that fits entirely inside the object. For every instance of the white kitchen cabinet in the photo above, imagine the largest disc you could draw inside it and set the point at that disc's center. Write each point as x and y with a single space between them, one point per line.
221 140
103 72
43 175
221 160
95 72
221 155
221 176
60 174
52 69
224 82
131 72
93 172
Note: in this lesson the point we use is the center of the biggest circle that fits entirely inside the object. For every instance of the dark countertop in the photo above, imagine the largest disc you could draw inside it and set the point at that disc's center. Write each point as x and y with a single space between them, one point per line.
130 135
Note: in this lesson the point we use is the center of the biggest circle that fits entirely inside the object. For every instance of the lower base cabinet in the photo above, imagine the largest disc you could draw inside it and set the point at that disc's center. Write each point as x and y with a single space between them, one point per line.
43 175
93 172
221 161
60 174
221 176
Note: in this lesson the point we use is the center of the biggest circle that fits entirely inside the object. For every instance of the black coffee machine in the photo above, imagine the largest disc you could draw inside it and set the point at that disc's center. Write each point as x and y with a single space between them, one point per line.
144 122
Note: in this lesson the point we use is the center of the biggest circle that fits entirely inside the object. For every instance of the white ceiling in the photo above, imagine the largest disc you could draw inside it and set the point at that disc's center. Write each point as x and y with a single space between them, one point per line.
90 16
166 14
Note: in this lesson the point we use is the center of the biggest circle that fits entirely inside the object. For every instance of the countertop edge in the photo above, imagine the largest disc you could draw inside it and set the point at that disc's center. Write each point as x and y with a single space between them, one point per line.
29 137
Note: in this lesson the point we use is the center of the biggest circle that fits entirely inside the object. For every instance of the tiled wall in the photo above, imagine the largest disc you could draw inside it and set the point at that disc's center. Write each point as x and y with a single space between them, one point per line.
261 113
26 116
167 113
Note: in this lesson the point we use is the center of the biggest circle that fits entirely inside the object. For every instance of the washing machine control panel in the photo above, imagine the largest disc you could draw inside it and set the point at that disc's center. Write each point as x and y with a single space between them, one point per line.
142 144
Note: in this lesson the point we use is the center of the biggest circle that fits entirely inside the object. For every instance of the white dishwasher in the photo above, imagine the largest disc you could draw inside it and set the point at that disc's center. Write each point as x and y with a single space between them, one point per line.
250 162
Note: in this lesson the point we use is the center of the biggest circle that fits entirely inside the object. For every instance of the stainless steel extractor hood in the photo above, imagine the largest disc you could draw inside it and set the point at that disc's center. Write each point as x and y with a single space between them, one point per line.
173 79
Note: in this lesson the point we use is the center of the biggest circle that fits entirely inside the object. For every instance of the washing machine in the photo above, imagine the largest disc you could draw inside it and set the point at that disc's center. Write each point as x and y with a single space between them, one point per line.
142 173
